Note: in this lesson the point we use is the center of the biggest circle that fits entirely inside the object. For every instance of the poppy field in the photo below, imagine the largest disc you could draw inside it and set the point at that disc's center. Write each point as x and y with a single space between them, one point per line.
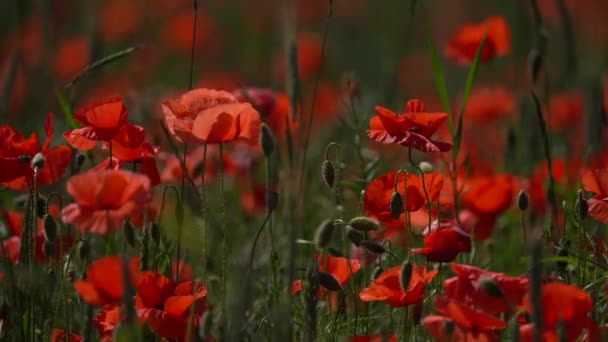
303 170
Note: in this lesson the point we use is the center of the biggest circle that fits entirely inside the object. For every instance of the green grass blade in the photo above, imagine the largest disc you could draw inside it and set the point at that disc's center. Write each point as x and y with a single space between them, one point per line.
65 109
438 75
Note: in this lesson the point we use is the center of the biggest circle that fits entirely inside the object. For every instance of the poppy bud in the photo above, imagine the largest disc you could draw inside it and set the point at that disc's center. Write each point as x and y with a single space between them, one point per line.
448 328
373 246
581 206
426 167
535 63
328 173
272 200
405 275
267 140
489 286
50 228
155 233
38 161
377 272
561 265
129 233
71 274
179 215
522 200
329 282
48 247
41 207
354 235
417 314
396 205
334 252
324 233
83 250
364 224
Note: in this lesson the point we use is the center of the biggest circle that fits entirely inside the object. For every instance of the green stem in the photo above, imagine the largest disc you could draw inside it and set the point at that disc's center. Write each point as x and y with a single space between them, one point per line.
426 194
224 239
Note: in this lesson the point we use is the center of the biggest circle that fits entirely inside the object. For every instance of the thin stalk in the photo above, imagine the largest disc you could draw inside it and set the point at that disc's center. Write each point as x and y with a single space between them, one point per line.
203 199
426 194
224 239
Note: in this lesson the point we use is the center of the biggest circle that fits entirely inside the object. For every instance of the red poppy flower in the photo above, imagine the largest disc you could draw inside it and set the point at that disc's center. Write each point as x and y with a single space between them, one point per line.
565 173
14 173
468 319
106 320
118 20
462 47
59 336
172 171
387 287
597 181
165 306
338 267
465 287
413 128
563 302
253 201
378 195
489 104
442 329
565 111
206 115
104 284
101 121
444 243
71 57
104 198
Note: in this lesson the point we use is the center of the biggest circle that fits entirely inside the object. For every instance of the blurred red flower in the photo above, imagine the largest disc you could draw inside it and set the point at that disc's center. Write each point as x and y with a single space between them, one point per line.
104 284
413 128
274 107
378 195
563 302
374 338
165 305
339 267
106 320
489 104
59 336
565 111
463 45
444 242
118 20
211 116
104 198
71 57
596 181
465 287
387 287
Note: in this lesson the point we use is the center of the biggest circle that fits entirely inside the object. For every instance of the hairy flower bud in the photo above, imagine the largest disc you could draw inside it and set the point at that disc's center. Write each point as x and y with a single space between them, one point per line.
364 224
581 206
426 167
83 250
522 200
373 246
48 247
324 233
355 236
329 282
490 287
328 173
267 140
395 206
405 275
50 228
38 161
41 207
377 272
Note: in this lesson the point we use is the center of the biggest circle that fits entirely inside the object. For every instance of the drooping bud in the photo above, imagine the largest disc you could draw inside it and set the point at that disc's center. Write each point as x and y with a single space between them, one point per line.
373 246
38 161
41 207
328 173
417 314
377 272
50 228
155 233
83 250
581 206
355 236
405 275
329 282
272 200
129 233
522 200
426 167
77 163
267 140
490 287
324 233
364 224
25 158
395 206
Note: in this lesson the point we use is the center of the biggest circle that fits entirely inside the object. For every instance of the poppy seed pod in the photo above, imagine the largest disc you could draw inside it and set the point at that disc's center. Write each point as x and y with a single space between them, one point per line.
329 282
50 228
490 287
41 207
267 140
324 233
405 275
377 272
129 233
373 246
354 235
522 200
38 161
364 224
395 206
426 167
328 173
